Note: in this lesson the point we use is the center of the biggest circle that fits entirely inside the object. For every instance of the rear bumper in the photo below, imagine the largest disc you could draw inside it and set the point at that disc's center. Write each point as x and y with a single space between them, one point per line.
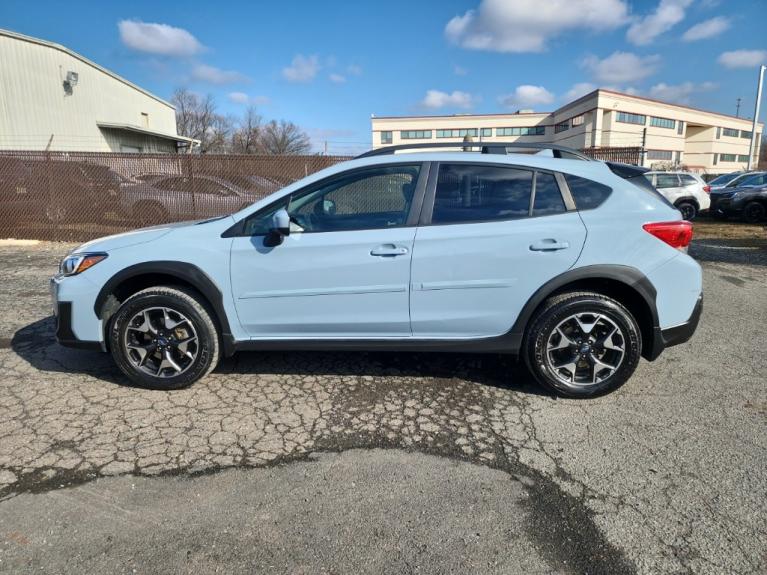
663 338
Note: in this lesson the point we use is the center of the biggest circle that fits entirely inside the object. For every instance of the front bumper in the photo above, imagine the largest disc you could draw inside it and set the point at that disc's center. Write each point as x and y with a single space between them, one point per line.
725 207
65 334
663 338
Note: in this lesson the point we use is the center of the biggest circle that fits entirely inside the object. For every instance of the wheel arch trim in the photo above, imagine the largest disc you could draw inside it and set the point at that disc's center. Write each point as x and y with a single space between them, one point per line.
186 272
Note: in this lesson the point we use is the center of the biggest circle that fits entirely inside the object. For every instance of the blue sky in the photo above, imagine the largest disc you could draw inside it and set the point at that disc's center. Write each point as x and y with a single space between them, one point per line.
329 65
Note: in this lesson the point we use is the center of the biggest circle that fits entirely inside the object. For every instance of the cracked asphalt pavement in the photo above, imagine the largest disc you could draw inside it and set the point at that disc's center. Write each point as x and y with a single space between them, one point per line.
381 462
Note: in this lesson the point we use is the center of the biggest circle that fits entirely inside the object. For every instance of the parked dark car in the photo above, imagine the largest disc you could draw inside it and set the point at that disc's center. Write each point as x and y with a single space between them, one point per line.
175 198
748 203
57 191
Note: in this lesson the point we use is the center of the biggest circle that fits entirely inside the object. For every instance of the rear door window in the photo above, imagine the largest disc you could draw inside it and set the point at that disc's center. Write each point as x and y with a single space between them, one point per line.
548 197
474 193
687 180
666 181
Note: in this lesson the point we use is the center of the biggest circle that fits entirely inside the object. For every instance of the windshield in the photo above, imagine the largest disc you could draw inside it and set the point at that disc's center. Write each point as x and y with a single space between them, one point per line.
723 179
753 179
738 180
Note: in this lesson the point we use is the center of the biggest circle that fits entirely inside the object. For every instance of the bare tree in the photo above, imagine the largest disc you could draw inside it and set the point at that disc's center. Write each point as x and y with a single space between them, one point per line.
284 138
196 117
246 138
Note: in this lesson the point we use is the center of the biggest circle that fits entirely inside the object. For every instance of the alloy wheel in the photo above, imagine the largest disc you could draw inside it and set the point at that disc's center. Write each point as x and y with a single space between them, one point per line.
161 342
585 349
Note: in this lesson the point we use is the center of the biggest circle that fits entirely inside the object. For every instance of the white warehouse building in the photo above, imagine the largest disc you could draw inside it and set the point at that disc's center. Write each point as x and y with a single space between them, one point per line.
52 98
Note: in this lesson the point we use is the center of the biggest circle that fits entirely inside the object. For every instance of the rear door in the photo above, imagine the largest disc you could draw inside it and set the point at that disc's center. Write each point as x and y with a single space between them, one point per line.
491 235
669 186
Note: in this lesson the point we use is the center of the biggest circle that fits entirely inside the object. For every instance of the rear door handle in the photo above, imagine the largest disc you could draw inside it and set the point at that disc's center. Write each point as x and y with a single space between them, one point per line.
549 245
388 250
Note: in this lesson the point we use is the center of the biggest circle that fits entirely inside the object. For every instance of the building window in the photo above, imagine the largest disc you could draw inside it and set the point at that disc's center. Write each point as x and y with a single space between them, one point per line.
727 157
745 134
486 132
715 159
662 122
628 118
145 119
678 157
386 137
743 158
680 128
531 131
718 132
730 133
577 120
457 133
667 155
415 134
562 127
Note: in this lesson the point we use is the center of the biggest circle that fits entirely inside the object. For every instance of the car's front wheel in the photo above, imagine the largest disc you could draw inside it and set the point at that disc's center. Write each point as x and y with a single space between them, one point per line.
582 344
164 338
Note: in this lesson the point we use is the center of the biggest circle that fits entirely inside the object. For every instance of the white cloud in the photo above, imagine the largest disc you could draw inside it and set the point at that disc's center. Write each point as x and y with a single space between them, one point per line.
621 67
578 90
213 75
706 29
668 13
743 58
354 70
460 70
436 99
680 93
527 95
158 38
527 25
337 78
302 69
243 99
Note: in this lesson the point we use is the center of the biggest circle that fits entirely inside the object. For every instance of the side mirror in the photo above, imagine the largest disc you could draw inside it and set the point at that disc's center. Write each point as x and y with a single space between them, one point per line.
280 228
281 222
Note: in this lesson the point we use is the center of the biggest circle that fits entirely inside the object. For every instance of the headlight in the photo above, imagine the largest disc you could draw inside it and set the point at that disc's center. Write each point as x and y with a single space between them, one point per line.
78 263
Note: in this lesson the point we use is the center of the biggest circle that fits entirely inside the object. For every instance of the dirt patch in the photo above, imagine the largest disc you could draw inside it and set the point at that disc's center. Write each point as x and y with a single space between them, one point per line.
710 229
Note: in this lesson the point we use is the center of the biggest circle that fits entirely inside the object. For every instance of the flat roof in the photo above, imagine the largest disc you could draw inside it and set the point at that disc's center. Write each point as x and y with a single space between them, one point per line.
591 95
146 132
59 47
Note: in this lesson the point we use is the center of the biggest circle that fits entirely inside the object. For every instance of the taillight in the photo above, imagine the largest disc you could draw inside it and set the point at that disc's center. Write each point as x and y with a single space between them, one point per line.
707 189
676 234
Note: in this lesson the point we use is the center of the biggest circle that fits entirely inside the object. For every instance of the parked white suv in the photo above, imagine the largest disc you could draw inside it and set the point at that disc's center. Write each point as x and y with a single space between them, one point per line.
688 192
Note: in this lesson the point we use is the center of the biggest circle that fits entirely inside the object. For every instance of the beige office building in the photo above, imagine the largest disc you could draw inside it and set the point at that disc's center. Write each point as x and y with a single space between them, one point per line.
52 98
702 141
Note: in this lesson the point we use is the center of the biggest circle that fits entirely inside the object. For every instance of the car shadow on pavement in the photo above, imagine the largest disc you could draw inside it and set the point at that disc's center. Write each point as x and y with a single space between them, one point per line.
35 343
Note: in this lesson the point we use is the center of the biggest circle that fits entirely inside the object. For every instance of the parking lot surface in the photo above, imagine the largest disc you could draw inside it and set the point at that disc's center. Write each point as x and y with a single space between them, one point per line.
355 462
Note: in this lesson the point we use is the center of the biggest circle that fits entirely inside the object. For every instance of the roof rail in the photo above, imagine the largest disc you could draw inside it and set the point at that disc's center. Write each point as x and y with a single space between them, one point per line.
501 148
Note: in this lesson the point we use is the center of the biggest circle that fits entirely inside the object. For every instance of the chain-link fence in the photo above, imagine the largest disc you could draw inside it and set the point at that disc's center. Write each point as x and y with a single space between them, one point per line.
77 196
66 196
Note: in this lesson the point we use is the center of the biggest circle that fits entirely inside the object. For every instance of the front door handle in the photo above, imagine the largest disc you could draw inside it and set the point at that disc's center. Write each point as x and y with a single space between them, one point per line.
388 250
549 245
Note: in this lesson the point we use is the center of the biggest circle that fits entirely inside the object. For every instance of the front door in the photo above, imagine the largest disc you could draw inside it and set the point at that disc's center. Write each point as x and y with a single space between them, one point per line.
343 271
490 244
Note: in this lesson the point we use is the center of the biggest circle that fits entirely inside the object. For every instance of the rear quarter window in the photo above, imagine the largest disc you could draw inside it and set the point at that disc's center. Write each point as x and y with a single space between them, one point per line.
587 194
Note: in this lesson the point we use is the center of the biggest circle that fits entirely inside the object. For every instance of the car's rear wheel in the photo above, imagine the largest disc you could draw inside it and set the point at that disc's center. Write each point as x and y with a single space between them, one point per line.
688 209
582 344
753 212
164 338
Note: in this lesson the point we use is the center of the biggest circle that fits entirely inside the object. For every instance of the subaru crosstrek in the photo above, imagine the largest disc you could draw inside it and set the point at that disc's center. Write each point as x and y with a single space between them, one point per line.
577 266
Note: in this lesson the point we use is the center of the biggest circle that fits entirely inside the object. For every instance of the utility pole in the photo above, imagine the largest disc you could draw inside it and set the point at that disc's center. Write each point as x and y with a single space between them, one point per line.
752 147
737 109
644 146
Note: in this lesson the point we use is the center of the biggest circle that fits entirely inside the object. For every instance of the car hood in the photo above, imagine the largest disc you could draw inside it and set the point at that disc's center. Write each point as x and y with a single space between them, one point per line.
132 238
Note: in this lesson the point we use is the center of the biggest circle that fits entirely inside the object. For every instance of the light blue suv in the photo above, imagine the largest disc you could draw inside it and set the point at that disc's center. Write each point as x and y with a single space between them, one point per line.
575 265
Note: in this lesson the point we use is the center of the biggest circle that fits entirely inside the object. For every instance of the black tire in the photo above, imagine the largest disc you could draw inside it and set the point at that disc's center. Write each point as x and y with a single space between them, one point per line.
179 303
561 308
688 209
753 212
